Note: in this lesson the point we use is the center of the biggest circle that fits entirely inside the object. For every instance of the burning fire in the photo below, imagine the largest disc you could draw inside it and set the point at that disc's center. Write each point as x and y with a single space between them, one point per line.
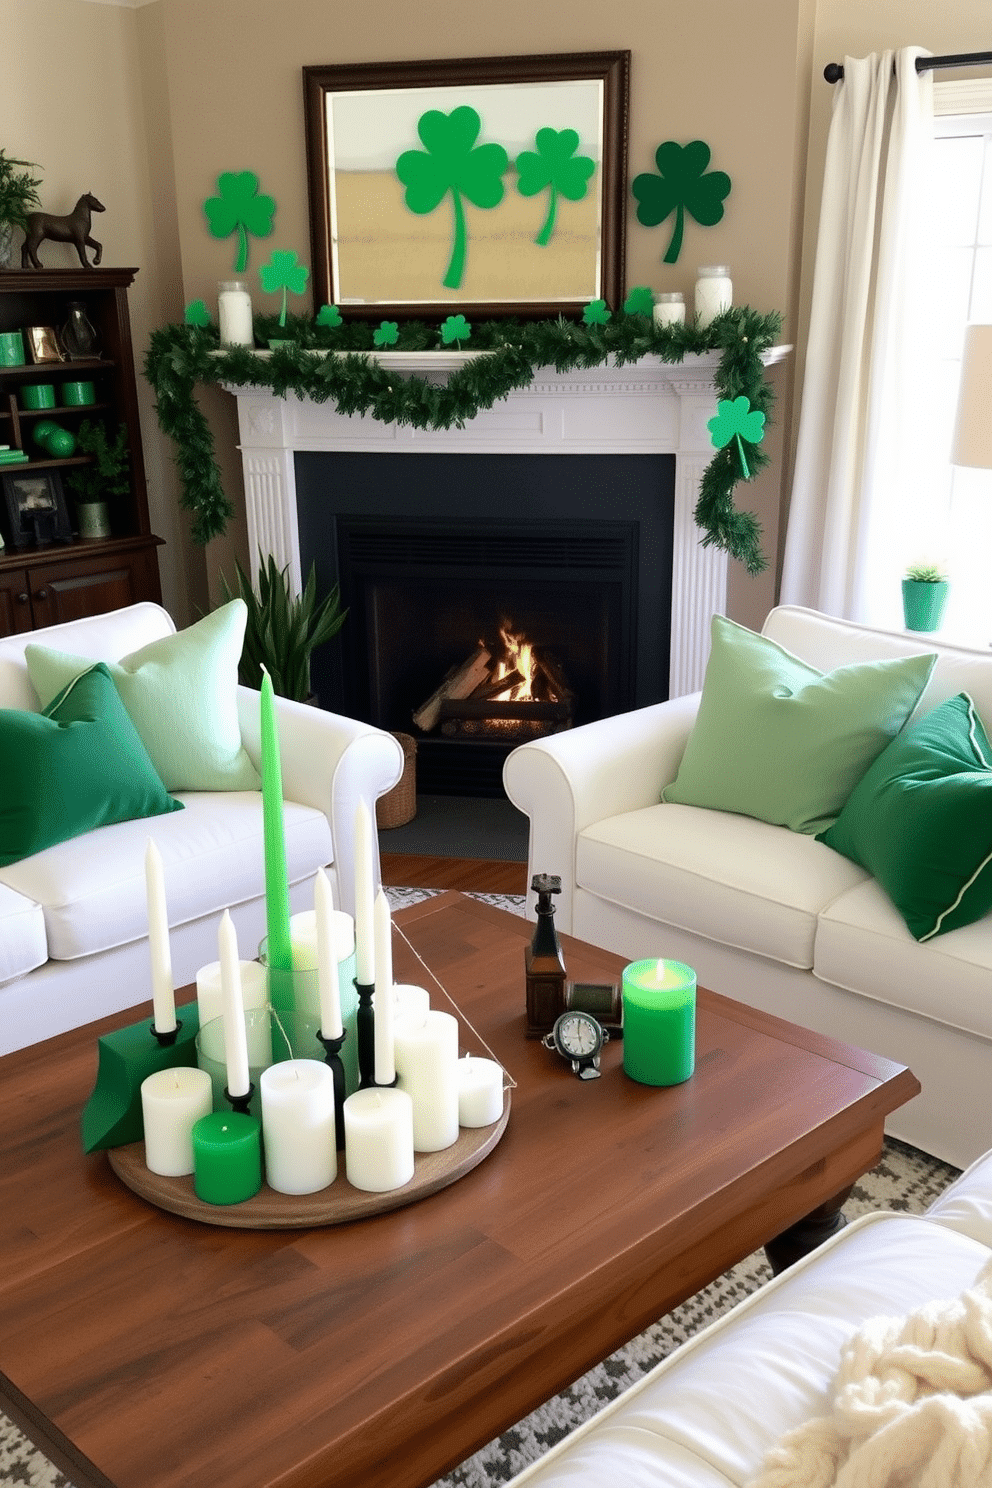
517 661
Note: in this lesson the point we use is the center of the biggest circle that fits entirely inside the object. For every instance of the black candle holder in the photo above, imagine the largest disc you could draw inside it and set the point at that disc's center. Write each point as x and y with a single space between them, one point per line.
365 1027
240 1103
332 1057
166 1039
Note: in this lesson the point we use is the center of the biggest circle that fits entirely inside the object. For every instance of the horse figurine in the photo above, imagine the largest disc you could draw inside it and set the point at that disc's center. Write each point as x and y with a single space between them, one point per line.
72 229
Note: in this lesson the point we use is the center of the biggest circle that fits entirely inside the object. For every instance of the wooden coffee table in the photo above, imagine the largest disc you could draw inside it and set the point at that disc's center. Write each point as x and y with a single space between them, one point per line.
144 1350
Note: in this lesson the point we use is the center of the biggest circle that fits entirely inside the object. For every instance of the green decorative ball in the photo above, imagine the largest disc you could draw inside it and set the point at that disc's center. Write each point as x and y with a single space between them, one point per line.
60 444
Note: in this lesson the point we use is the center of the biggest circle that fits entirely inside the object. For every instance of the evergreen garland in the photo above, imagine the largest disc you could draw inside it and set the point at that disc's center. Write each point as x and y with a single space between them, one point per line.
180 357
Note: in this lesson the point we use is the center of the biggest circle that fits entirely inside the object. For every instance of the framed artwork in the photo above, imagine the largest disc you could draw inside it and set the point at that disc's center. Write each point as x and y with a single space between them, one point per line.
42 344
491 185
36 509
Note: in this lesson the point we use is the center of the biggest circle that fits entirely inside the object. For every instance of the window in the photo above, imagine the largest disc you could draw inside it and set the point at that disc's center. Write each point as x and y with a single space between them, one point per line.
960 500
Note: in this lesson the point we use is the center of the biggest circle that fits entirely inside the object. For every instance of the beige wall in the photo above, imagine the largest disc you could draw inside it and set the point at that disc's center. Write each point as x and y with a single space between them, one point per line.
155 101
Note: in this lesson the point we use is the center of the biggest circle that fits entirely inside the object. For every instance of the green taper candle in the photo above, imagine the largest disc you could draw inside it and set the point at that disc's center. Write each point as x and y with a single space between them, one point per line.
276 878
227 1157
659 1022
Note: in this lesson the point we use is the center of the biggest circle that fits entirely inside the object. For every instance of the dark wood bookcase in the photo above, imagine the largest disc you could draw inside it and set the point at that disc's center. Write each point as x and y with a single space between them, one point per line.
49 582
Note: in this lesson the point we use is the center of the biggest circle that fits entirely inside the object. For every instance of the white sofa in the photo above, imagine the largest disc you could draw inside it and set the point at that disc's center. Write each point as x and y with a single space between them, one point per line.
73 918
708 1414
764 914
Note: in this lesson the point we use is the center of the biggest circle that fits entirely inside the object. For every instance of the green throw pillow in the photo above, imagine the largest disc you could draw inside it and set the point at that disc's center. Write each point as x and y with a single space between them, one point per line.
77 766
778 740
180 693
920 820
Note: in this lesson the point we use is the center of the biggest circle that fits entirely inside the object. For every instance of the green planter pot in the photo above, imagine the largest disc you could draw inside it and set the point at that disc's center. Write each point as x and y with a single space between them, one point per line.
923 603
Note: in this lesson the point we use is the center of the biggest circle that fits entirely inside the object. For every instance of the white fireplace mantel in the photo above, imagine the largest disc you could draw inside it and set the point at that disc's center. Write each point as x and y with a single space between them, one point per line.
647 407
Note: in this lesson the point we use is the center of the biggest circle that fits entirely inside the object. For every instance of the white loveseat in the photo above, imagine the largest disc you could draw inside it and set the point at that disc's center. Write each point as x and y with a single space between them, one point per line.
766 915
73 918
708 1414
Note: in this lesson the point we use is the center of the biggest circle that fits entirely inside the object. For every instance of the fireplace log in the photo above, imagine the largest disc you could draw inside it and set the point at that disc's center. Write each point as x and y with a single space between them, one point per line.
493 689
458 682
550 669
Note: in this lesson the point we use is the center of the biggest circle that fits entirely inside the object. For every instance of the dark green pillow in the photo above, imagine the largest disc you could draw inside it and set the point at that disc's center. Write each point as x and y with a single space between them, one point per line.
920 820
77 766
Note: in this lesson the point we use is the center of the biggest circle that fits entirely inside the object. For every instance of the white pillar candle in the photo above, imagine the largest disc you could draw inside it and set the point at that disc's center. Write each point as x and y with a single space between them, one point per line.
480 1091
410 1002
298 1134
303 940
364 896
328 957
382 1006
235 1041
163 991
378 1139
427 1067
172 1101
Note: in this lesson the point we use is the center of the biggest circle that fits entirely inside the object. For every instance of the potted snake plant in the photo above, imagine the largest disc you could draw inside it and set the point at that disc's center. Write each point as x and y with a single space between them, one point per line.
283 629
925 587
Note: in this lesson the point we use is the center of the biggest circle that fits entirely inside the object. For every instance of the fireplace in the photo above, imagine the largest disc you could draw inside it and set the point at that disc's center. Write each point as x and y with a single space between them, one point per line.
435 554
642 411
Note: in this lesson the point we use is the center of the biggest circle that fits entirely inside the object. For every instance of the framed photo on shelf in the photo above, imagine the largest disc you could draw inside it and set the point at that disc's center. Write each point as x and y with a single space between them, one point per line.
35 507
43 344
491 186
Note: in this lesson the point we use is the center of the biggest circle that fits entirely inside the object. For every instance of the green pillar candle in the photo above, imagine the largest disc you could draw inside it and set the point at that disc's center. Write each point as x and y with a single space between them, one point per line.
276 878
227 1157
659 1022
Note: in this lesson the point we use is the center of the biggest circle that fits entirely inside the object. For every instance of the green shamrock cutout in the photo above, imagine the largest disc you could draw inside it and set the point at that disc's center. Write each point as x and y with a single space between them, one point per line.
556 168
284 272
596 312
329 315
387 334
640 301
239 209
451 161
683 185
736 419
197 314
456 328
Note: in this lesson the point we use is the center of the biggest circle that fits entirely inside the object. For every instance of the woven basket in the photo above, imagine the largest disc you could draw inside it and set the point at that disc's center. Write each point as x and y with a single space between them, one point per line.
399 805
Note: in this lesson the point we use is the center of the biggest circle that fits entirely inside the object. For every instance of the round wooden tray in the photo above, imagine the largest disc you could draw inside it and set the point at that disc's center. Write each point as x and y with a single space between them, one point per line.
338 1204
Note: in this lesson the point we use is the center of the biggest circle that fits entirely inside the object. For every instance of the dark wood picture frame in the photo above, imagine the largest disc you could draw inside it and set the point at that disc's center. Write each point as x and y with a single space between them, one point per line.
520 86
35 507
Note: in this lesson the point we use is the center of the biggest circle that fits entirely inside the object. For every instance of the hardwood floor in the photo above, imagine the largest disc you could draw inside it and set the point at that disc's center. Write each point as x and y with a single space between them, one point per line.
404 870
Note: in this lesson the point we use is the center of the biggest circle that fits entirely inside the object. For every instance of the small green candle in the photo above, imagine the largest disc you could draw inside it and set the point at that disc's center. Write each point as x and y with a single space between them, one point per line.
227 1157
659 1022
276 877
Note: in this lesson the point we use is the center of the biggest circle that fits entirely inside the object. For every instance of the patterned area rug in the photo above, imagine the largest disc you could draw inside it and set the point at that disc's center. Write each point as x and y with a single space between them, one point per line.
905 1180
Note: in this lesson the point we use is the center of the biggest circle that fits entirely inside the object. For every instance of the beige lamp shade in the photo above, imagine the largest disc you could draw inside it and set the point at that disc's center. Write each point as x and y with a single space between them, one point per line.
973 432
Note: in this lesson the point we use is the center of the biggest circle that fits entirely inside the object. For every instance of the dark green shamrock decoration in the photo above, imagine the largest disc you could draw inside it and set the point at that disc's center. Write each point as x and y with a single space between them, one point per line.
736 419
329 315
451 161
640 301
556 168
597 312
456 328
197 314
239 209
683 185
387 334
284 272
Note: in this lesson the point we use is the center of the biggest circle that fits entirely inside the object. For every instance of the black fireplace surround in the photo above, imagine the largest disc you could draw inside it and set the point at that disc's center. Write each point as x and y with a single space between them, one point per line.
434 551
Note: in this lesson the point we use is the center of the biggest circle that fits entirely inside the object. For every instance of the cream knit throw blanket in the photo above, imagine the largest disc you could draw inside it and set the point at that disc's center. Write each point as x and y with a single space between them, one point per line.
912 1405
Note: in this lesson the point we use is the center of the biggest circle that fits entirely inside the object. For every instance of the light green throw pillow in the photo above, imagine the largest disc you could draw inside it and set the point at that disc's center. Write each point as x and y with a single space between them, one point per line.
180 692
780 741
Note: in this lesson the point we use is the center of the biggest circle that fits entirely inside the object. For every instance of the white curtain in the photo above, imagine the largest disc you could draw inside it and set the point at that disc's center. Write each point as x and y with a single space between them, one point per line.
855 512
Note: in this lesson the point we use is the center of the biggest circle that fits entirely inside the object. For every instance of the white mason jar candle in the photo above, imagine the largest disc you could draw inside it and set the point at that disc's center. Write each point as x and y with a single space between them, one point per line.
298 1132
669 308
426 1056
378 1139
480 1091
234 315
172 1102
714 292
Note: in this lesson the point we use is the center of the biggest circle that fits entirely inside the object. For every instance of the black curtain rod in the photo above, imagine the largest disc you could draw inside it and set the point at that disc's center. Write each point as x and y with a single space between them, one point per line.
833 72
